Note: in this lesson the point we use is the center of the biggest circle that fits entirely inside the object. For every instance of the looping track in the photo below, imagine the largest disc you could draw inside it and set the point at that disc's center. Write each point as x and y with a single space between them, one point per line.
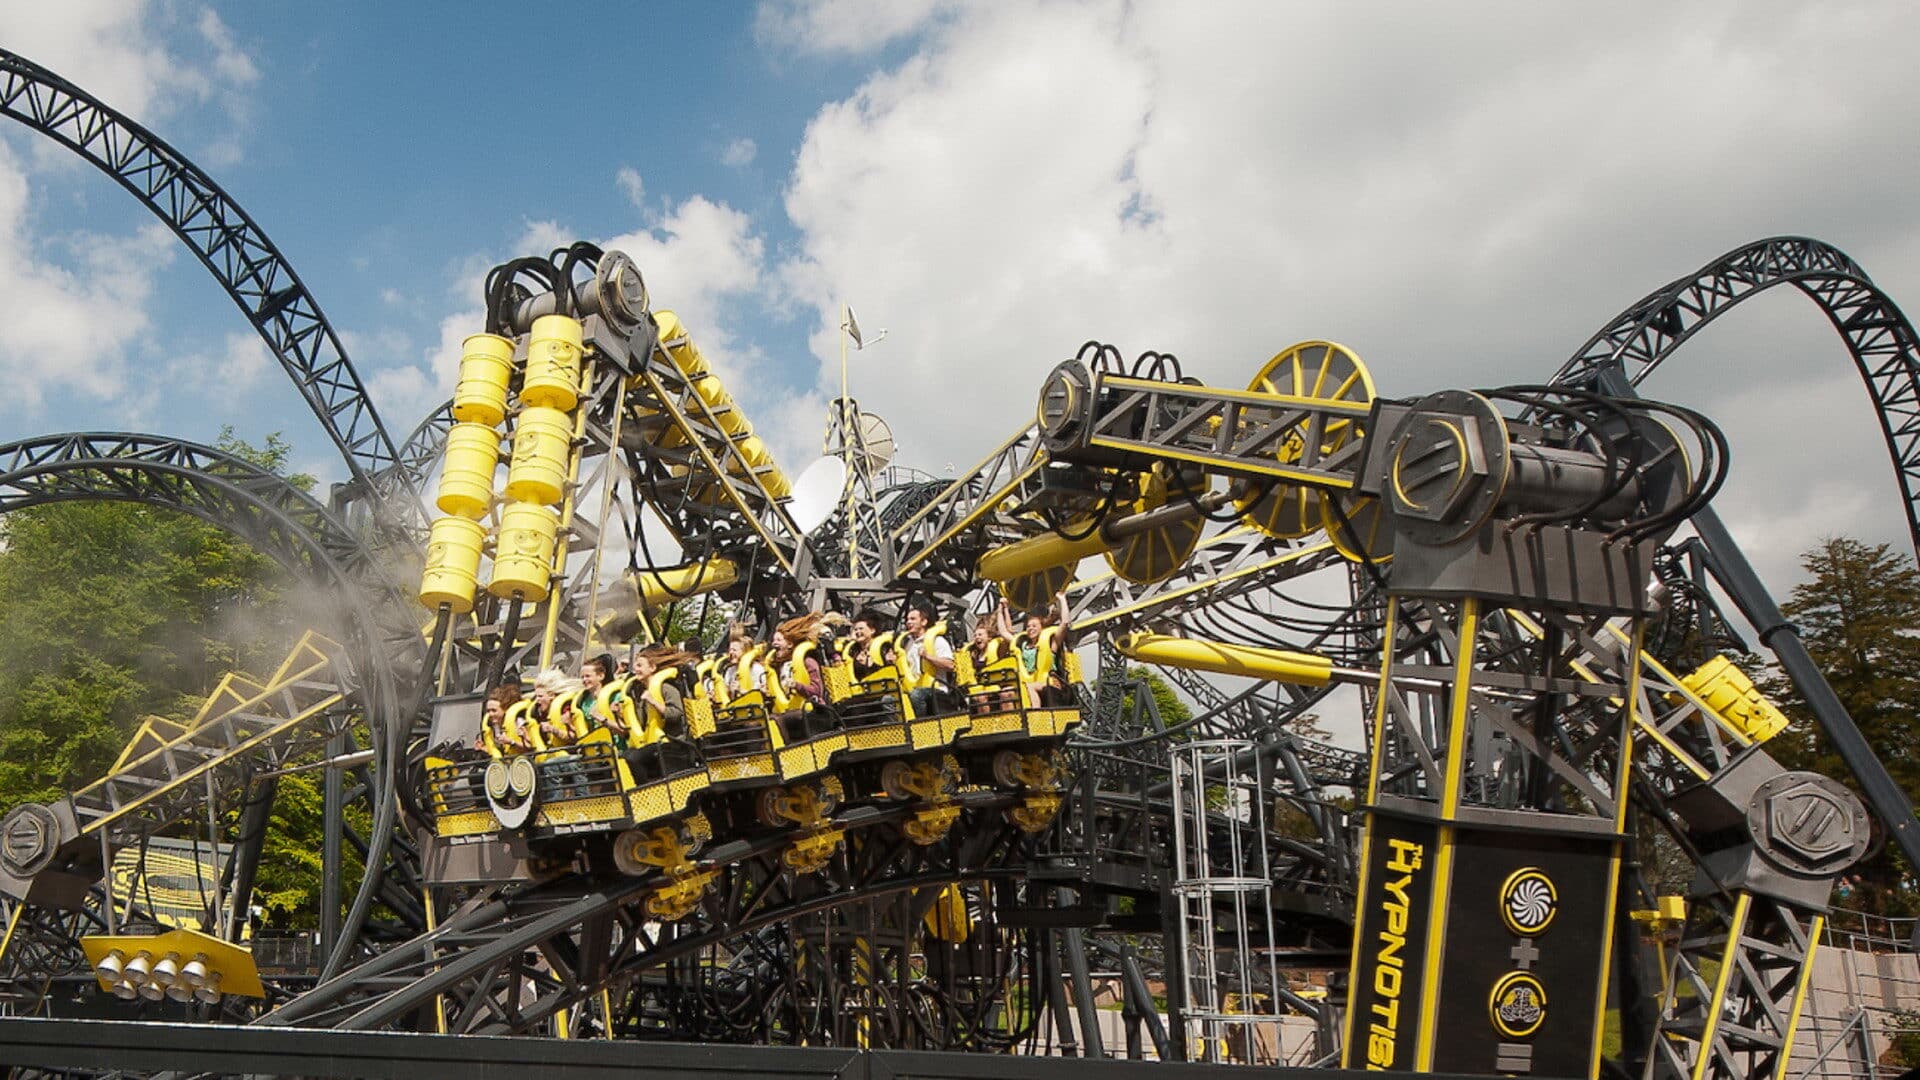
1878 335
282 522
233 247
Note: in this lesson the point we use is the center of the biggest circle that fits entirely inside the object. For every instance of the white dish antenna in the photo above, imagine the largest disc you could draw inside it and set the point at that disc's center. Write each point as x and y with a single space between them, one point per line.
876 437
816 495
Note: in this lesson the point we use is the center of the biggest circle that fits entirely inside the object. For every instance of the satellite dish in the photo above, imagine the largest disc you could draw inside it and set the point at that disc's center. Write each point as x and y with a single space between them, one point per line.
877 438
816 495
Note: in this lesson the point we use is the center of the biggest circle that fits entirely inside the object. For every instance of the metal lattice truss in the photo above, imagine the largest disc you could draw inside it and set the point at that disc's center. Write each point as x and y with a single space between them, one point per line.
516 960
1879 337
942 541
264 727
1235 562
1734 988
708 494
239 254
507 963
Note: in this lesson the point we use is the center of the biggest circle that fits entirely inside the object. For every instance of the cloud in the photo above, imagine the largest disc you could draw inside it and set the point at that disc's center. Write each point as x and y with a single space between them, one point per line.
145 60
1461 194
403 392
843 26
696 255
76 307
77 303
226 375
229 62
738 153
629 180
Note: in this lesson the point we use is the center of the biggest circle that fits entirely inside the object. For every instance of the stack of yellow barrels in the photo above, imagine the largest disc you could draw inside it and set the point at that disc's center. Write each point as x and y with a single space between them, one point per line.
536 475
542 455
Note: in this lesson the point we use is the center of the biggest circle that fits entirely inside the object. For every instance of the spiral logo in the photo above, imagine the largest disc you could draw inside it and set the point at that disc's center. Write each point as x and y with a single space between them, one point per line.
1528 901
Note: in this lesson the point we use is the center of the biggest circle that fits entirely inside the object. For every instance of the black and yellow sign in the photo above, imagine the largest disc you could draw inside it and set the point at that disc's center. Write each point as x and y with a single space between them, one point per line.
1395 913
176 882
1526 941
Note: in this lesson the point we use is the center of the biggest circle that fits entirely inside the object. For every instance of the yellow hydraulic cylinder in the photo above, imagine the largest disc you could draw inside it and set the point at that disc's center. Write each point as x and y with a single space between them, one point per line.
542 445
1728 691
486 363
1038 553
453 564
673 335
466 477
712 391
553 362
660 588
523 561
1275 665
753 449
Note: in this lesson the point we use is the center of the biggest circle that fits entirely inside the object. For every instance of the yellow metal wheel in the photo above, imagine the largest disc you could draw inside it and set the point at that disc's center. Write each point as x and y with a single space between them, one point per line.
1324 371
1154 555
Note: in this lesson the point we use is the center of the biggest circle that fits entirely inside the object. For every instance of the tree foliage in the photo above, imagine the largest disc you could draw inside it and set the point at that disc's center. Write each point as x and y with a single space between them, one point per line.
1172 710
114 611
1859 615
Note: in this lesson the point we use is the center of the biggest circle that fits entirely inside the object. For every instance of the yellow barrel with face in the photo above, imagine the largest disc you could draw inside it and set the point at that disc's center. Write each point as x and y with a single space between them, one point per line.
523 558
486 365
466 474
542 447
453 564
554 350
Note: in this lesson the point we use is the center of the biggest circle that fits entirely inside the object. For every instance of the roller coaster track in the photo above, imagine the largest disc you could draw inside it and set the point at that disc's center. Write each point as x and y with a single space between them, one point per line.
238 253
1878 335
593 934
281 522
261 507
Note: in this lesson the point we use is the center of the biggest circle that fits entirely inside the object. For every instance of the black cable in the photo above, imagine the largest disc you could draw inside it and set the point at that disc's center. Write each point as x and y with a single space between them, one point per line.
579 252
512 630
1158 366
1181 486
1094 521
640 533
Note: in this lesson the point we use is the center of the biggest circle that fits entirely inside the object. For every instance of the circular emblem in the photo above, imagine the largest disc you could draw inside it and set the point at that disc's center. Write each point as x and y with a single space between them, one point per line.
496 780
1518 1005
511 789
1528 901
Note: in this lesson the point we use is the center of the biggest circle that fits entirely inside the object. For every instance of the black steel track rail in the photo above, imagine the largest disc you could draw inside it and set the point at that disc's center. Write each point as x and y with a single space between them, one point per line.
238 253
467 955
283 523
278 519
145 1047
1878 335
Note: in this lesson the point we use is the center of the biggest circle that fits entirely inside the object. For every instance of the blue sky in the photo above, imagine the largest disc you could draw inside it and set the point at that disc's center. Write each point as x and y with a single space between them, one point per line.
392 151
1462 193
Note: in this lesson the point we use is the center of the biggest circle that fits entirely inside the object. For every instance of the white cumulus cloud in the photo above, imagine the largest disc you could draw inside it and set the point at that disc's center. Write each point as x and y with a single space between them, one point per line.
1460 193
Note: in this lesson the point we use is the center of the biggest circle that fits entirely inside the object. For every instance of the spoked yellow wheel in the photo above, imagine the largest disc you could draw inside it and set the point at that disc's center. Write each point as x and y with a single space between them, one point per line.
1035 592
1154 555
1322 371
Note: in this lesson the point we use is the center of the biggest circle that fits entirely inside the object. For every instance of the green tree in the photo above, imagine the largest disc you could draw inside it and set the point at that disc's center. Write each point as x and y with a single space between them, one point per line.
1172 710
1859 614
115 611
